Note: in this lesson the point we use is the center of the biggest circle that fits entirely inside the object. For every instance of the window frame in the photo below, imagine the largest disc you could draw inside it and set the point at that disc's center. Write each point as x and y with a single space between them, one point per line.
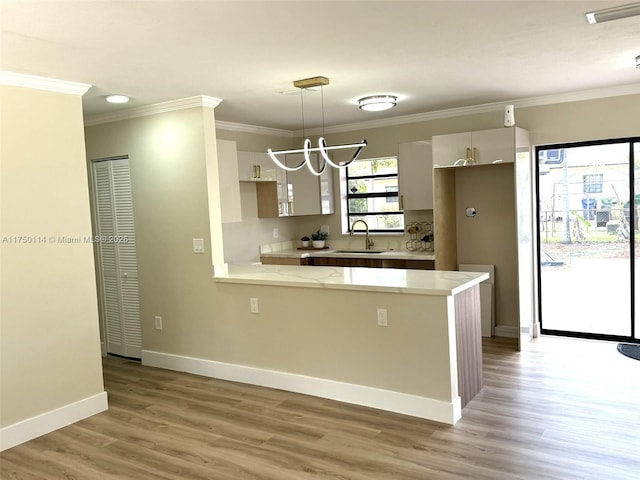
393 194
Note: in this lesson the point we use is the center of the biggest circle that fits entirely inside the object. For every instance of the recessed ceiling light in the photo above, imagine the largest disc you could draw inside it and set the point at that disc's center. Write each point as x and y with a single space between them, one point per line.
117 98
377 103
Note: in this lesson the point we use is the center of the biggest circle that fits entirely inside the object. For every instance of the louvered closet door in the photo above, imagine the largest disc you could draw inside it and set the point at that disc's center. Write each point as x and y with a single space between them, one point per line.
117 251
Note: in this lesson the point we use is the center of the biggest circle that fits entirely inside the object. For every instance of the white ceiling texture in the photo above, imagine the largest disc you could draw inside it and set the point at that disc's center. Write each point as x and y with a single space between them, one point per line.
434 55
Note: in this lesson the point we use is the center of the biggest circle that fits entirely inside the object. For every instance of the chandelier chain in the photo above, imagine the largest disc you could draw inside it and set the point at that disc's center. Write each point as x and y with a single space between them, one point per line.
322 102
302 105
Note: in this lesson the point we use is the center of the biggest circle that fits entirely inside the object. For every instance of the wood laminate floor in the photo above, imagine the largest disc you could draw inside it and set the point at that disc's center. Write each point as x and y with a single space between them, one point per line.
562 409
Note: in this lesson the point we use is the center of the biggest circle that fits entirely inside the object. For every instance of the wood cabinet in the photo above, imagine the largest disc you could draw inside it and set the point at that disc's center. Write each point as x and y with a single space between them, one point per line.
282 193
468 343
282 261
415 175
501 232
345 262
483 147
351 262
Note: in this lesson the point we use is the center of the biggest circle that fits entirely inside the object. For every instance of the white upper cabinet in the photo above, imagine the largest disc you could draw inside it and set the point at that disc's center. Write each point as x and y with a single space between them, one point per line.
447 149
308 194
256 167
482 147
493 146
415 175
303 188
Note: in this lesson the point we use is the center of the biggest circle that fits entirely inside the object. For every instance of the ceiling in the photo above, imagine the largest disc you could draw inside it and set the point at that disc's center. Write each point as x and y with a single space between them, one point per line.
433 55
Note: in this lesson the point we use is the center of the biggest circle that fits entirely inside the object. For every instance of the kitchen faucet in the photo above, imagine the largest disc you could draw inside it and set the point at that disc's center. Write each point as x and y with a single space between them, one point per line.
368 241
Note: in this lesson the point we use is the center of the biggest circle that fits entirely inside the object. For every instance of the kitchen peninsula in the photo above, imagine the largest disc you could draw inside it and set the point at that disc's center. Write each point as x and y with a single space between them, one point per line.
401 340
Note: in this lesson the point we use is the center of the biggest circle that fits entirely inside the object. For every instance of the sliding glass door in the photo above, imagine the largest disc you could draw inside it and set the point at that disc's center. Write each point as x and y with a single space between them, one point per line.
636 240
588 200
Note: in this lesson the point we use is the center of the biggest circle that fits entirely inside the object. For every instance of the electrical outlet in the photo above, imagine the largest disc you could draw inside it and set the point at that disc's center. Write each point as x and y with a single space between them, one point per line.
382 317
276 233
158 320
324 228
254 304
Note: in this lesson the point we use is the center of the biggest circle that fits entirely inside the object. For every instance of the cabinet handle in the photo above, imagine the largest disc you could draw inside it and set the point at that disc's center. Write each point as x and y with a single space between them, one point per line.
467 154
475 155
401 202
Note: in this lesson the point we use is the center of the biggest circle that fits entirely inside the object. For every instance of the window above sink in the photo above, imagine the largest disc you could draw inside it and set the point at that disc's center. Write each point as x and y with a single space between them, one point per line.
370 193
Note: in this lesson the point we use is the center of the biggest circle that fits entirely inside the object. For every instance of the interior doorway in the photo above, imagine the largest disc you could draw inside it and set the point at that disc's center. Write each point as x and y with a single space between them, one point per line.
117 259
589 203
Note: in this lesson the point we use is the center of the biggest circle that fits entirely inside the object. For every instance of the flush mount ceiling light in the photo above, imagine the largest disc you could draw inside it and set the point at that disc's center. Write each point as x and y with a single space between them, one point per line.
613 13
117 98
323 148
377 103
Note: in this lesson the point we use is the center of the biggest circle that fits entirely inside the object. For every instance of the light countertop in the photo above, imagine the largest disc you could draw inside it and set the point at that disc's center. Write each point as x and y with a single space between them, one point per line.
421 282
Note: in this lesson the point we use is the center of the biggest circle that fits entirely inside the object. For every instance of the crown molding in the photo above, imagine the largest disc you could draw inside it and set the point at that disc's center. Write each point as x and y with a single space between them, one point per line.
211 102
592 94
154 109
241 127
203 101
42 83
405 119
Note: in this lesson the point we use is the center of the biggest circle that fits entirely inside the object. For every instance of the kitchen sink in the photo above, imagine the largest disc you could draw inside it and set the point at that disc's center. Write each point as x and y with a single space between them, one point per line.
357 251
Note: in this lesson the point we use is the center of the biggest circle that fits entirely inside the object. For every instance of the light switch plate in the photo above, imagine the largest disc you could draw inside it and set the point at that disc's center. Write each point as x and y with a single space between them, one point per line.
382 317
198 245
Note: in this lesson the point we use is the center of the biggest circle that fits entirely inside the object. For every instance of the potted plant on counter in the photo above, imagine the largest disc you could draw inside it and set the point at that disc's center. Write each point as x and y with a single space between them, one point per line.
306 241
318 239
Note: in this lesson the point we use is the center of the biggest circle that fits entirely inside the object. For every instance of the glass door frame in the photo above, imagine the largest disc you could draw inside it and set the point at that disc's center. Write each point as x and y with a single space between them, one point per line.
632 243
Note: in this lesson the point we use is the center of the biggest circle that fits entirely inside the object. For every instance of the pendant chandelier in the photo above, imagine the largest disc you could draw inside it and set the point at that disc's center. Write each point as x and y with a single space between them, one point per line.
322 147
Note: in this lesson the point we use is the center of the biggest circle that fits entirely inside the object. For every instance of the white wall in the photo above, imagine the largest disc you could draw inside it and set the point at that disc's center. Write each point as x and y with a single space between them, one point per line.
49 341
168 156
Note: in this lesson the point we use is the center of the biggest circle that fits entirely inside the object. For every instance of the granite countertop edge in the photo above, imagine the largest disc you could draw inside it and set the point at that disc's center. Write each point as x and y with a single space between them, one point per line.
425 282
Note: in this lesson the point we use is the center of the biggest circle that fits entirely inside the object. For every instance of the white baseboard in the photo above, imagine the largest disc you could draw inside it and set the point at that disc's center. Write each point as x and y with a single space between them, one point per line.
506 331
536 329
47 422
422 407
